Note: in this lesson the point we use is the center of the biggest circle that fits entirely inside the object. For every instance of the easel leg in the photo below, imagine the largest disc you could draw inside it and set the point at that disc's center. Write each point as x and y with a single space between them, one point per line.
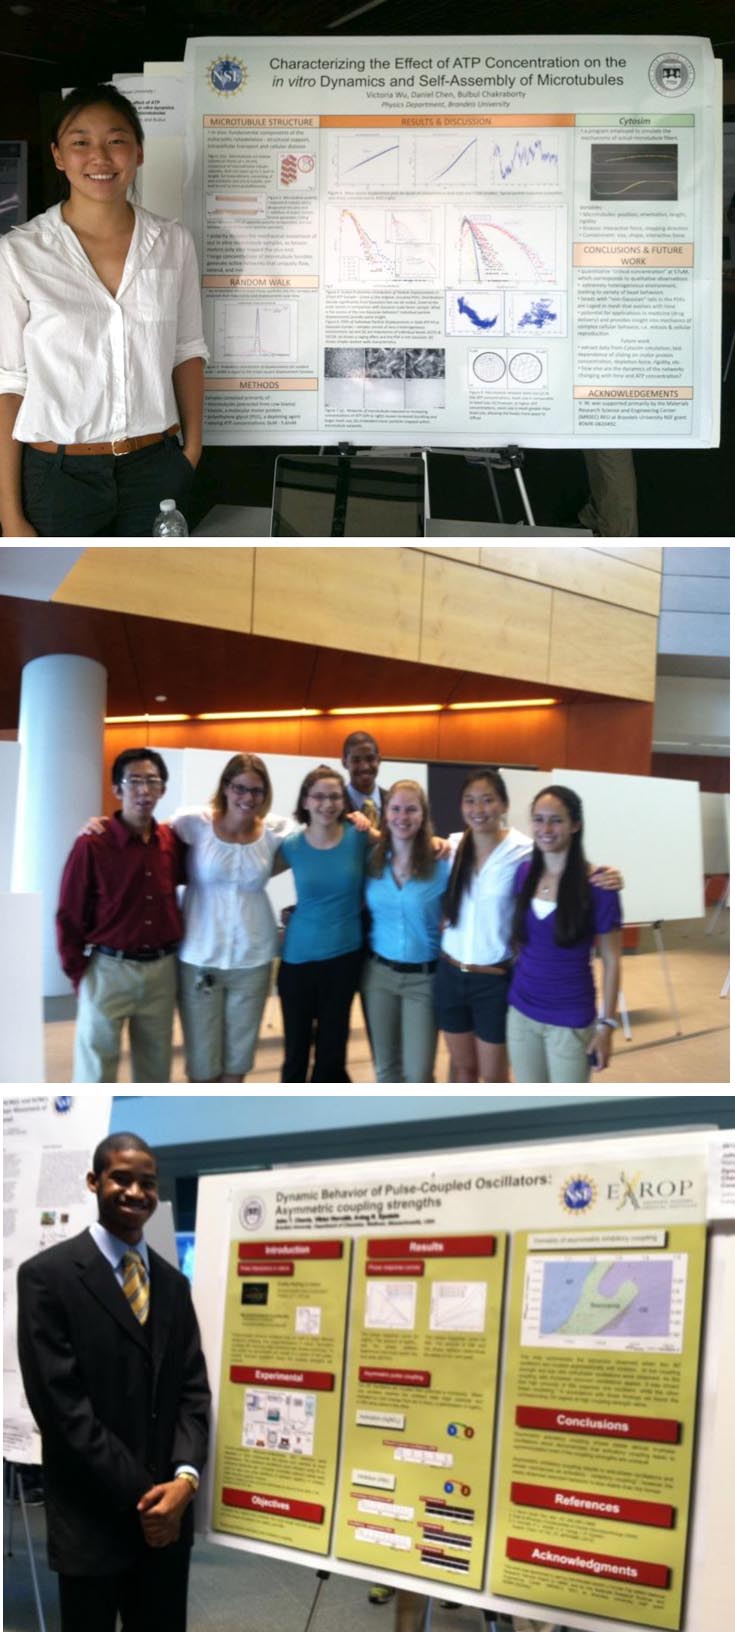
624 1017
31 1556
321 1577
658 938
713 923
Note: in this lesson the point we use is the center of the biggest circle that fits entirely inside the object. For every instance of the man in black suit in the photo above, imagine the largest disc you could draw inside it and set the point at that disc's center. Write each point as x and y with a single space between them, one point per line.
115 1377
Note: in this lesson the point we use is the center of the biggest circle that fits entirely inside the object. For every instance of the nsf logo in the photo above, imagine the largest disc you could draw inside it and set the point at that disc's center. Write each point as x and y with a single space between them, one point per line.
226 75
578 1194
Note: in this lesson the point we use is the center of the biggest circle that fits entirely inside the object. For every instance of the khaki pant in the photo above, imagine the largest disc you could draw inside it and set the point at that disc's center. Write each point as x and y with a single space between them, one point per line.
541 1054
114 991
221 1012
400 1011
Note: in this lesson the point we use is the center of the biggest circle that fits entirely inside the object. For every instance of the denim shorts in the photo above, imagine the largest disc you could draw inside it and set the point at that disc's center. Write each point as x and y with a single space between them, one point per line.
468 1001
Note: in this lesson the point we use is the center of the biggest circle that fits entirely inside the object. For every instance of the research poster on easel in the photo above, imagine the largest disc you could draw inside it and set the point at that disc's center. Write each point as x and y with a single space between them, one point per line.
456 241
475 1374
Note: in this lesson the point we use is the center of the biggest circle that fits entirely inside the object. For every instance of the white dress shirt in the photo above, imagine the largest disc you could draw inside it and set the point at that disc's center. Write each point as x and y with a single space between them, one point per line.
229 923
91 366
481 935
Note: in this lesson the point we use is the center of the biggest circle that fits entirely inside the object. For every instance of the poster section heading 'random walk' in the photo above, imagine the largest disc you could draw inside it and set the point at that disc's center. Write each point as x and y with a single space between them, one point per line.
422 239
364 1368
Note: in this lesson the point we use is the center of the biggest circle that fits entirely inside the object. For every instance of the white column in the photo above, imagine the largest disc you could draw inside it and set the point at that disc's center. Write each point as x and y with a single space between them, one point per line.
62 714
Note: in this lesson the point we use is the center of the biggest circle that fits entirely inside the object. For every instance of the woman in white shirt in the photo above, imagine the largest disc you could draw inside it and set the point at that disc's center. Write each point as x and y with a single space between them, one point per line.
101 353
230 936
474 968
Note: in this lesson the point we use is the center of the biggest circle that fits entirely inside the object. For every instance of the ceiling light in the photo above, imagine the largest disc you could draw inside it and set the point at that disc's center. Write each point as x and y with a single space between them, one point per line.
267 713
407 708
516 702
139 719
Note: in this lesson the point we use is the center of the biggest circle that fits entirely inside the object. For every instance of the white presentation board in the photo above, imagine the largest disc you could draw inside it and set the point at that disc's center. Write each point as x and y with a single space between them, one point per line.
560 1186
9 776
716 832
21 986
650 828
522 789
457 241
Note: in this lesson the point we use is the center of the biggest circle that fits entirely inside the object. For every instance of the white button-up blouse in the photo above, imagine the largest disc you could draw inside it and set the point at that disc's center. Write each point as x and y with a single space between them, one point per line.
229 923
91 366
481 935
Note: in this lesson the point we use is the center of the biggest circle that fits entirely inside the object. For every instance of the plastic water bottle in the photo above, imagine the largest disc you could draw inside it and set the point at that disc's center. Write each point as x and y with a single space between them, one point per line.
169 521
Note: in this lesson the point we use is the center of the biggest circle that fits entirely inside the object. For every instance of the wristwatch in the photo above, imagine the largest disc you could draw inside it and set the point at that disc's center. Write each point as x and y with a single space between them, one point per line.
608 1021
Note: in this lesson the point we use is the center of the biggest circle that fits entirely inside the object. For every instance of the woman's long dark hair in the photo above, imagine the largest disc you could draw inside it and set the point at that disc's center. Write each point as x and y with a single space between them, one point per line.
573 902
465 861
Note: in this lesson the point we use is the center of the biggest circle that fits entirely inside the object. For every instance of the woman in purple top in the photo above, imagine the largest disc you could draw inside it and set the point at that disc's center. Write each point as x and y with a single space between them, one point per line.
554 1036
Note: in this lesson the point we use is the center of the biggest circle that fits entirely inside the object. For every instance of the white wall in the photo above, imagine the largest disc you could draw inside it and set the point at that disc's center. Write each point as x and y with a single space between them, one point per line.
9 772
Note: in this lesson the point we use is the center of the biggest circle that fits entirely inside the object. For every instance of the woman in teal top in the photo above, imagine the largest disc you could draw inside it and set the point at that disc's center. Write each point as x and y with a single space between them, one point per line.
323 950
404 889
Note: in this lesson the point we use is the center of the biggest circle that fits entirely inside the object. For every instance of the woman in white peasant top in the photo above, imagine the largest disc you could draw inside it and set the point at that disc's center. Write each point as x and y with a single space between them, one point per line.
230 936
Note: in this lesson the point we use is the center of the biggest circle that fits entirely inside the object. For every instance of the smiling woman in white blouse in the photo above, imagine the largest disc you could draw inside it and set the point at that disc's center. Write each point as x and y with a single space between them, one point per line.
230 936
101 350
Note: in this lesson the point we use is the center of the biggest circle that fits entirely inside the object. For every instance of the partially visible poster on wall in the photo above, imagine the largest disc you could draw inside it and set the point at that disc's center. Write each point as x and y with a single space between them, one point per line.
458 241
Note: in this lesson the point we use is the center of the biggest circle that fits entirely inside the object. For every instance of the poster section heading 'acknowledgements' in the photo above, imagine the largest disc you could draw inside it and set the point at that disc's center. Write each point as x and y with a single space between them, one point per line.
457 242
377 1291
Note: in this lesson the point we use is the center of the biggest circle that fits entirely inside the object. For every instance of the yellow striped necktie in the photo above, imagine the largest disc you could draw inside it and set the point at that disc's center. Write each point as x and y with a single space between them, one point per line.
371 813
136 1286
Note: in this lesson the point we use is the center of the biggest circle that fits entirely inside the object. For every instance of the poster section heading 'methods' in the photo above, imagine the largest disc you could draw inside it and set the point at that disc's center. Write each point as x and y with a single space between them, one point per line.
457 242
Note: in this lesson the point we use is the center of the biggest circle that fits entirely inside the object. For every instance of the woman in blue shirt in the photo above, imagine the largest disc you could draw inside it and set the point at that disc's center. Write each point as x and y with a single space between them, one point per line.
403 890
323 947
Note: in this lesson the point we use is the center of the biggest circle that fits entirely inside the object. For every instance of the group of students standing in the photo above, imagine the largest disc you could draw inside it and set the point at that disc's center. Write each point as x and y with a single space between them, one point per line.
486 936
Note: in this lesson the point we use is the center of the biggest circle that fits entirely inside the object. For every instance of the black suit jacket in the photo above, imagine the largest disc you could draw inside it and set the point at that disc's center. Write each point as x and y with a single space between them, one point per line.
119 1407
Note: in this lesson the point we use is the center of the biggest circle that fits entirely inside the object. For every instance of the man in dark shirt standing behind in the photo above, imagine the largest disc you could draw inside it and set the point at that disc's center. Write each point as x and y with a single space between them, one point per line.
119 926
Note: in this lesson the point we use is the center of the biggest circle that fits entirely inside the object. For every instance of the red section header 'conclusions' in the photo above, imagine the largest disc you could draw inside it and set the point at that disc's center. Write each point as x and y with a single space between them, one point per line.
599 1424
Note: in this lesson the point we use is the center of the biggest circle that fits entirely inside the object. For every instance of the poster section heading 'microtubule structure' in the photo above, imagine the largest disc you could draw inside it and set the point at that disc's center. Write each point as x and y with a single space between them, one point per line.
457 242
362 1362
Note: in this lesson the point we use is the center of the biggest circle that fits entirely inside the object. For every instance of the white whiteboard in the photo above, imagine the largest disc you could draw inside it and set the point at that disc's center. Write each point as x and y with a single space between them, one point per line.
9 774
650 828
716 832
523 787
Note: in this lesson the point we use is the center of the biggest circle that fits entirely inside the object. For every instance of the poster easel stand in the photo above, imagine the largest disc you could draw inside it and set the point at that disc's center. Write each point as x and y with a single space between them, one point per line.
512 457
721 905
658 939
321 1577
13 1484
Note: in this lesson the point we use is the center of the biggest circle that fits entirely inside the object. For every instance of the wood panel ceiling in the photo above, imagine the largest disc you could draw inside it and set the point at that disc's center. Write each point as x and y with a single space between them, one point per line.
206 670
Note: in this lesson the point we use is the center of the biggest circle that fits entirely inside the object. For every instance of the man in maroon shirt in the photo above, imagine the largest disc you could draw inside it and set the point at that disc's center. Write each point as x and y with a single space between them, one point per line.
118 928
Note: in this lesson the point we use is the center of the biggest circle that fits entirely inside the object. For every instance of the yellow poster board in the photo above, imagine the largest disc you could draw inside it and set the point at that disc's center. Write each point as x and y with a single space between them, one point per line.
597 1438
420 1405
280 1390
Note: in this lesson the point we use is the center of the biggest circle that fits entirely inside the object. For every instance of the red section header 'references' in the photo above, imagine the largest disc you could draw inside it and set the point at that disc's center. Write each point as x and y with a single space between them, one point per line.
575 1561
263 1501
397 1378
599 1423
263 1375
624 1509
296 1250
469 1245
